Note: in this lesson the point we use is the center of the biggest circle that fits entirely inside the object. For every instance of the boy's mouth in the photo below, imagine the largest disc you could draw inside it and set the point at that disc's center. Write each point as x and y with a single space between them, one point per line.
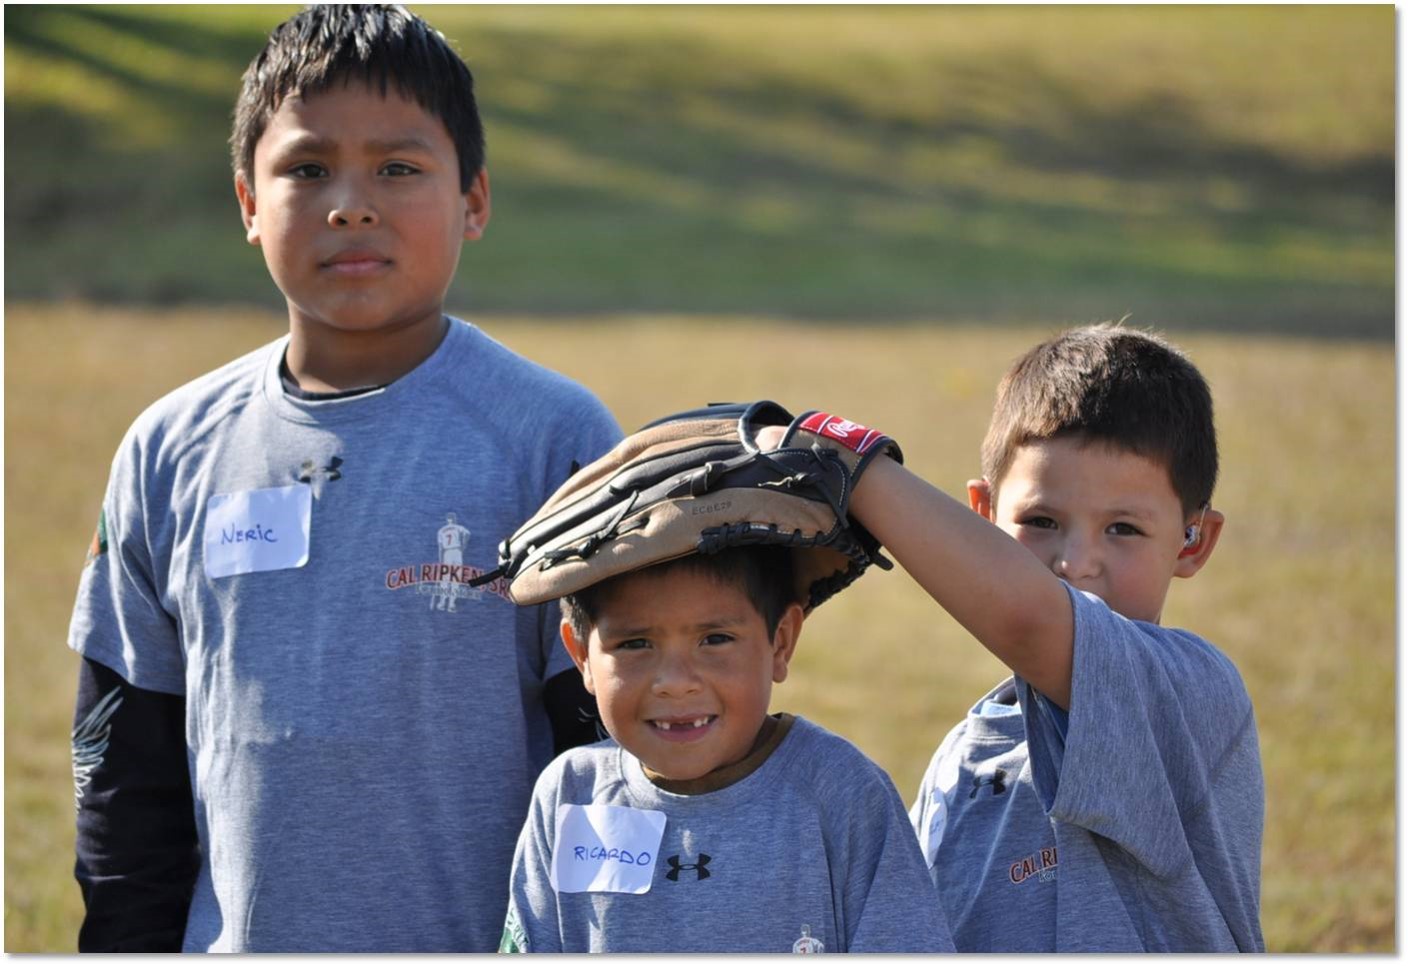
357 261
682 728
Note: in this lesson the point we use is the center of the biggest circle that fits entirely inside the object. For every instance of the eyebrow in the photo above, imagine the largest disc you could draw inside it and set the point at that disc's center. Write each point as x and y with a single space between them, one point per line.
312 144
644 630
1141 513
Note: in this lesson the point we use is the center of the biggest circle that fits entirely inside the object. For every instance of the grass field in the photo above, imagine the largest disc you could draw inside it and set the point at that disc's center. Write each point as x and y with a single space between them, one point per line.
1231 167
1300 593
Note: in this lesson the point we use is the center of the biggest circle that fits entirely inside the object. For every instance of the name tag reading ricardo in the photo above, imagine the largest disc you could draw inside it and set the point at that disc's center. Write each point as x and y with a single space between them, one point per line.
257 530
605 848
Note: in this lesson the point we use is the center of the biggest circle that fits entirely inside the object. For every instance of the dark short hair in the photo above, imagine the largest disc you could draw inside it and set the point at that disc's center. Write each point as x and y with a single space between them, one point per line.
764 574
376 44
1105 383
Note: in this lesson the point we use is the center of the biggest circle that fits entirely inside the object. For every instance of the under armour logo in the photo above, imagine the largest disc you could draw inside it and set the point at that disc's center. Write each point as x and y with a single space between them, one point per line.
330 472
699 868
998 781
316 476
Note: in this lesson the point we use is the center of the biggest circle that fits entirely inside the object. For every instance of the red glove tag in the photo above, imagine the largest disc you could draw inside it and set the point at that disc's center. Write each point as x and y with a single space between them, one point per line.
853 436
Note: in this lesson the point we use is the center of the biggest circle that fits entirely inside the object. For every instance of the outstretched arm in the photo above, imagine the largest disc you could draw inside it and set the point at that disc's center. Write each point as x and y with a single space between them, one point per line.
991 584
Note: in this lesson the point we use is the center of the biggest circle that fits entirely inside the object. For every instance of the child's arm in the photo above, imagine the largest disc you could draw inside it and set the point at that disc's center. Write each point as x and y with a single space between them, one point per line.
991 584
136 844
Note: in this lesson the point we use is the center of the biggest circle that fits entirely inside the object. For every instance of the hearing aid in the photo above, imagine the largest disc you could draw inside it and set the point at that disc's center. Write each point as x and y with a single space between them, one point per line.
1190 535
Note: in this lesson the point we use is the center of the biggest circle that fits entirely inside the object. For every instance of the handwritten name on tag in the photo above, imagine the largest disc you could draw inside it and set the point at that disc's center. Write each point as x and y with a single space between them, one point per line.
605 848
256 530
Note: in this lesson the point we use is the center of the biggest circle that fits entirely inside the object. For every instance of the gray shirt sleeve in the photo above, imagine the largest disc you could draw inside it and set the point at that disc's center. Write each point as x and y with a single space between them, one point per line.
118 619
1156 715
889 895
533 914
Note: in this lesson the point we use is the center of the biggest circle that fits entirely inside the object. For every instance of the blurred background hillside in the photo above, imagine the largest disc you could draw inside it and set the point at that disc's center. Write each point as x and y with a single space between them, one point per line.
894 200
1222 167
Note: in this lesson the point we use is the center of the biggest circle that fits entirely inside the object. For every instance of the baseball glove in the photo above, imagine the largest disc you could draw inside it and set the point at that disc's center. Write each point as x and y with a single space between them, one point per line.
696 482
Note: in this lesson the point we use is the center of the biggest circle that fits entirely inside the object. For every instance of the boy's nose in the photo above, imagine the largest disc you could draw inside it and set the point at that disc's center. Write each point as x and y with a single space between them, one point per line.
675 676
1076 560
353 215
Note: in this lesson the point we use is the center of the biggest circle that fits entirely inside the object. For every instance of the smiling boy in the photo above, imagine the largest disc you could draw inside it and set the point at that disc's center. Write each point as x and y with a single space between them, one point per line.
682 715
324 739
1108 796
705 824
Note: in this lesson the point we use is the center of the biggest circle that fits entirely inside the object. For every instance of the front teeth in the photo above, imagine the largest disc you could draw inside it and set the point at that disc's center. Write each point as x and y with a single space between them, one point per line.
696 723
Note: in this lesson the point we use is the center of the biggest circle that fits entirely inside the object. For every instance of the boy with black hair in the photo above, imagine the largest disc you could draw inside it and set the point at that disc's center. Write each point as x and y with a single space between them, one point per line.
299 727
1108 796
706 824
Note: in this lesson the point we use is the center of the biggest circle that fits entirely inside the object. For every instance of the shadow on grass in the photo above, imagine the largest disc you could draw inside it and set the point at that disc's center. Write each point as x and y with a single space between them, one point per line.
694 177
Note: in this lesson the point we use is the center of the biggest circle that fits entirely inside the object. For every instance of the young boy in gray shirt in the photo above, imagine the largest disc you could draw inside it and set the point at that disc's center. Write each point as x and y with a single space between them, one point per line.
1108 796
298 726
705 824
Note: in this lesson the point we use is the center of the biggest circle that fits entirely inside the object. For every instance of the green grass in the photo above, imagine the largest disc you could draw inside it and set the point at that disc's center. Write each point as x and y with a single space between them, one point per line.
1227 168
1300 593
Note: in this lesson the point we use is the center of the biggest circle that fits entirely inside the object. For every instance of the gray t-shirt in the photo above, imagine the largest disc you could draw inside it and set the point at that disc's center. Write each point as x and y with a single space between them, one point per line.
1135 826
816 837
363 729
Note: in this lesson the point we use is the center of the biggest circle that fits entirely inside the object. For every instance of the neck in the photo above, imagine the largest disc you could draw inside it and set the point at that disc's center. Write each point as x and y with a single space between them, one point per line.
352 360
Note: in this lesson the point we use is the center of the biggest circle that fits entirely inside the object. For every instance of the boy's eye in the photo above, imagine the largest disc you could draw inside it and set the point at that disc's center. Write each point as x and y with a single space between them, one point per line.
1040 523
307 171
1125 530
632 644
718 639
398 169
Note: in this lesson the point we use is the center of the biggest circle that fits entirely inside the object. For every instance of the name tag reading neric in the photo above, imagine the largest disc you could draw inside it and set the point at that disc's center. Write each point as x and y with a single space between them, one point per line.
257 530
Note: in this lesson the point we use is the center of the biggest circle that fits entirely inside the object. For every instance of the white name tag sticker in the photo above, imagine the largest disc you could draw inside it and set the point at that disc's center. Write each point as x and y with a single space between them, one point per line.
605 848
932 834
257 530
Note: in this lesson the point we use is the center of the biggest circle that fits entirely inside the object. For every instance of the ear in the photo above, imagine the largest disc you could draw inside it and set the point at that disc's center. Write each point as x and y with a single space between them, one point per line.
244 191
577 650
784 641
980 497
1191 559
476 206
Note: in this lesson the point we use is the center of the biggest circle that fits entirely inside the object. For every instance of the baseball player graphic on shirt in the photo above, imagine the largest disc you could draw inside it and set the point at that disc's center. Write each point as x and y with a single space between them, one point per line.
451 539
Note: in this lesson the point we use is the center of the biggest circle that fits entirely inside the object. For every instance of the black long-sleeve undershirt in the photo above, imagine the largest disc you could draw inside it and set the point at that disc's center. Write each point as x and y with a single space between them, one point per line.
137 850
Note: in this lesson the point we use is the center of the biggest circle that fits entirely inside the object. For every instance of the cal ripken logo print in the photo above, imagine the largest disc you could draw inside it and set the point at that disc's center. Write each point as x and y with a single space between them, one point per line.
446 580
1040 865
